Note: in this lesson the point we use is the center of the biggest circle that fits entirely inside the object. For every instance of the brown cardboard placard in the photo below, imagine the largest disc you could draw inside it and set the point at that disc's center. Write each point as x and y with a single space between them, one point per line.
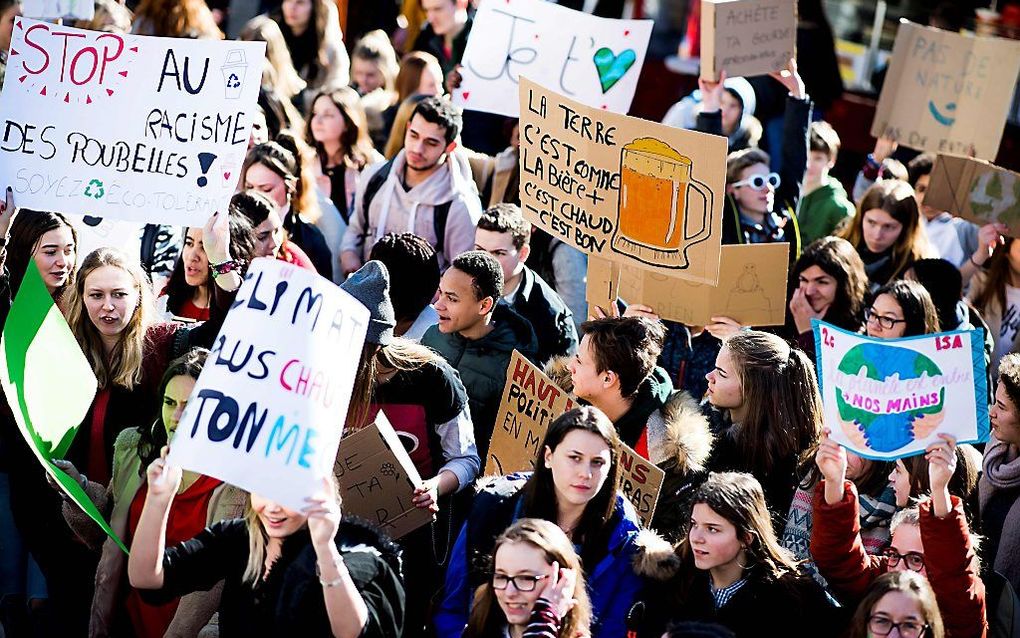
531 401
946 92
622 188
377 479
751 290
747 37
976 190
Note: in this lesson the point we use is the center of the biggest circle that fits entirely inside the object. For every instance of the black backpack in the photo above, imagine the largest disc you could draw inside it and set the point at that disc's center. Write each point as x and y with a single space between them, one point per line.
439 212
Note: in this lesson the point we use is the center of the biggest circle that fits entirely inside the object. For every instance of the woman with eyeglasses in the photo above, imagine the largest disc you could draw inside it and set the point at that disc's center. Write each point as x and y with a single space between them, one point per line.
902 601
730 569
537 587
932 539
574 485
887 231
901 309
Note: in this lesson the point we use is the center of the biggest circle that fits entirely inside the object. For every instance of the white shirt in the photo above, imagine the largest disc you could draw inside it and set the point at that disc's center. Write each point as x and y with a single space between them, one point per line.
1010 324
943 236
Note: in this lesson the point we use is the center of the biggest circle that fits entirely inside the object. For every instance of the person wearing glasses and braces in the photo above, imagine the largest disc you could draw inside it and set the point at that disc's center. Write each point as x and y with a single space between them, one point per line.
901 309
761 205
931 539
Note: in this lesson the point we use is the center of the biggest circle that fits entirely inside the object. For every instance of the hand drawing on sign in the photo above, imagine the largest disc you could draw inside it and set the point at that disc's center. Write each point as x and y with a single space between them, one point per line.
234 69
747 295
996 197
654 210
888 396
611 67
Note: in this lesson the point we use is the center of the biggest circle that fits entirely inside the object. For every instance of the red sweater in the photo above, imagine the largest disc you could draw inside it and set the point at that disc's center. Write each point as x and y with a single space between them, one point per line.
949 558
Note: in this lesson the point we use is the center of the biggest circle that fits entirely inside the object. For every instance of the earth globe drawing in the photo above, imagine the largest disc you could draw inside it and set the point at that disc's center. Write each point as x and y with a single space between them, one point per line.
887 422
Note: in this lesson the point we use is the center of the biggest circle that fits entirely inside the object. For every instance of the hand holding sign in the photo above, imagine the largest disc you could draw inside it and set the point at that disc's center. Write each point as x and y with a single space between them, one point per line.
831 461
7 212
324 514
164 478
790 78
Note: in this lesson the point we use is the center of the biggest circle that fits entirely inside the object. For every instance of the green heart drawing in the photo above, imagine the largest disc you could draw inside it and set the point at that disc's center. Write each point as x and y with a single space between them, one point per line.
611 67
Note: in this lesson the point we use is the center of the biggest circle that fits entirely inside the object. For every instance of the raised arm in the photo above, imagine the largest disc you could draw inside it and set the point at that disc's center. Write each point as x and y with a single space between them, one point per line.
145 564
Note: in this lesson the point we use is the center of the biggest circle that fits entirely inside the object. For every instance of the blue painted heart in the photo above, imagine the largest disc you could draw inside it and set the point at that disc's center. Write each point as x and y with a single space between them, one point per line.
611 67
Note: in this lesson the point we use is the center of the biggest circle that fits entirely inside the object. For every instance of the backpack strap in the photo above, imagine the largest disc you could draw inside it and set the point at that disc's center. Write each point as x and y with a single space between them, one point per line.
440 213
371 190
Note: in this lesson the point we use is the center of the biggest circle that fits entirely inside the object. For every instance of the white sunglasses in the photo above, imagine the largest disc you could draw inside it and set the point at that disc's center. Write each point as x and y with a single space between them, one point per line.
758 182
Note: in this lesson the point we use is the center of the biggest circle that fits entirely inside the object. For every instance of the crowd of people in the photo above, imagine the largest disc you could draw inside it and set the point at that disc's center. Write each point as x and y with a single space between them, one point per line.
361 169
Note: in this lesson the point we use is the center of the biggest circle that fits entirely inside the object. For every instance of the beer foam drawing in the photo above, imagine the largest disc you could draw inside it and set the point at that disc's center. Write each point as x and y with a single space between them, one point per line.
655 214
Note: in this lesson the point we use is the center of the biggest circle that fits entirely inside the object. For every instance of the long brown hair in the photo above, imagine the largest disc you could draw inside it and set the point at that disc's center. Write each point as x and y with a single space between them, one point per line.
124 365
293 167
837 258
897 199
487 619
279 73
412 67
25 234
906 582
319 25
355 145
177 18
538 496
738 497
997 277
784 407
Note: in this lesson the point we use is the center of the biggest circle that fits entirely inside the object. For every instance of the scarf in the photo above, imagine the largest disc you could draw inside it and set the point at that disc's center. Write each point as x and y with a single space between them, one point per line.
1001 465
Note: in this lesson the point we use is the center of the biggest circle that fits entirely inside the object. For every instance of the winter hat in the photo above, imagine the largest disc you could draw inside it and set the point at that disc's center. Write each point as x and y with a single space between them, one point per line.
741 89
371 286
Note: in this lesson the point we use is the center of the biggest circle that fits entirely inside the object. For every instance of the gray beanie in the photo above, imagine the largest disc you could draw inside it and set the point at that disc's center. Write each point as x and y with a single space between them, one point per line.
371 286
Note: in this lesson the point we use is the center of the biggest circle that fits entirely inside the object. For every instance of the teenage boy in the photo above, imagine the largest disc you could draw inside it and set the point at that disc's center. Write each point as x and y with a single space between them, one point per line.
477 334
422 190
824 205
503 233
414 279
614 370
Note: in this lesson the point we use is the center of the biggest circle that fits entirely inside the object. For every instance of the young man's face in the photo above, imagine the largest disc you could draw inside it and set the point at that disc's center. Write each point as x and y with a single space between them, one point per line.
441 14
589 383
818 165
425 144
457 306
732 111
501 246
920 188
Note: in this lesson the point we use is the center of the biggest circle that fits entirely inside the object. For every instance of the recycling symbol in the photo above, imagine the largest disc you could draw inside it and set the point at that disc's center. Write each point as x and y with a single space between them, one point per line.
98 192
233 81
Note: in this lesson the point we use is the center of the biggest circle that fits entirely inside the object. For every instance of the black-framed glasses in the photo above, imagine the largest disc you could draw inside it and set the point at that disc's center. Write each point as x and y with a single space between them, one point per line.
758 181
913 560
882 626
522 582
886 322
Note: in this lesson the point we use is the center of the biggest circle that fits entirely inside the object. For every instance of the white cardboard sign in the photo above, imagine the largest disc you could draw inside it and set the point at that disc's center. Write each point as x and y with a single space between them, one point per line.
593 60
126 127
268 410
76 9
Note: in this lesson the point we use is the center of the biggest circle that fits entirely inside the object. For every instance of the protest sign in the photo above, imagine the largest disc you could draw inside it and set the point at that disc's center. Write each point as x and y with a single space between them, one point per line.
74 9
531 401
622 188
596 61
127 127
889 398
377 479
947 92
751 289
975 190
268 410
48 382
747 37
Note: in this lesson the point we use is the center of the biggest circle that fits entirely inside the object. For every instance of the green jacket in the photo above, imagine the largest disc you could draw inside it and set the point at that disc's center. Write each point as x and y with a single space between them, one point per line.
823 210
482 365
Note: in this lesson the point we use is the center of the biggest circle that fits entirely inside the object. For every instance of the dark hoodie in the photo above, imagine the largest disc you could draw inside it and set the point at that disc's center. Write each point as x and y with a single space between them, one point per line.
482 364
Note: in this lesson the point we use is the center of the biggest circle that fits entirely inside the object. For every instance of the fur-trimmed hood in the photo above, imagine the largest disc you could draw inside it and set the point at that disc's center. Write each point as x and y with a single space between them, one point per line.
656 558
686 439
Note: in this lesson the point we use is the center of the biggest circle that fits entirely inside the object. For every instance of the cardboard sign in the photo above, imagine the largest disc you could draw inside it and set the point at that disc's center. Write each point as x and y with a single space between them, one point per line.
622 188
48 401
49 9
596 61
531 401
890 398
751 290
947 92
127 127
268 409
975 190
377 479
747 37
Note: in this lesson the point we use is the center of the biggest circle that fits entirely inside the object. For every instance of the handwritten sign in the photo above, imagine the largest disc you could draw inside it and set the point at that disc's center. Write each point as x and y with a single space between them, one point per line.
751 290
377 479
268 409
889 398
976 190
127 127
75 9
747 37
622 188
945 92
531 401
596 61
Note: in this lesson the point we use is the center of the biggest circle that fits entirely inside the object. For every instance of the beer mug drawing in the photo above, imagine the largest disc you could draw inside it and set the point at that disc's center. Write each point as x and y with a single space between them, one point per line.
655 210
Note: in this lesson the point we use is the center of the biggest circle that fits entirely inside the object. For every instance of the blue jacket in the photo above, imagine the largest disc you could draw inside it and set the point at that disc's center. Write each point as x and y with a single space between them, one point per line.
612 584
